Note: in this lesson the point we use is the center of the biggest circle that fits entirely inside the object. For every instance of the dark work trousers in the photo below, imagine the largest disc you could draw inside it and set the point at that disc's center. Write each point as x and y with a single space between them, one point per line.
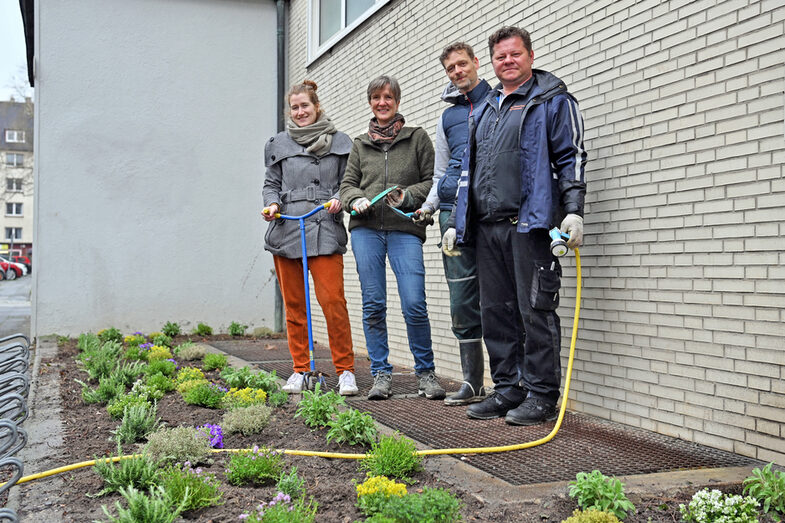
519 293
461 274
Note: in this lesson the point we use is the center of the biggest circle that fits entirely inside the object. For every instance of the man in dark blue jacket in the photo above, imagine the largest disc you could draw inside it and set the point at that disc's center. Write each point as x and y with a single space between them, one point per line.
464 92
523 173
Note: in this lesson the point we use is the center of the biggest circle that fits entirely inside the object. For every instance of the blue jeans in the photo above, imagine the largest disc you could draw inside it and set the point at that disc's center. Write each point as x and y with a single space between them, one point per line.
371 247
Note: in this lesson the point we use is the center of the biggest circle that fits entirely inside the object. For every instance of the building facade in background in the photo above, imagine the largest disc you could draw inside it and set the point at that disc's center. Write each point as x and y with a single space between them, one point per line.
683 314
16 178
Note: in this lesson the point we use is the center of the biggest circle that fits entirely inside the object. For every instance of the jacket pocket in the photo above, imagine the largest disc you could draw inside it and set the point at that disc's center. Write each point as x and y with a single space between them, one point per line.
275 234
447 189
546 282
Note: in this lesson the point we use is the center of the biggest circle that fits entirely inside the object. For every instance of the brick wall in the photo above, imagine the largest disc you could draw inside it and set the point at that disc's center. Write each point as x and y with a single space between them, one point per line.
683 313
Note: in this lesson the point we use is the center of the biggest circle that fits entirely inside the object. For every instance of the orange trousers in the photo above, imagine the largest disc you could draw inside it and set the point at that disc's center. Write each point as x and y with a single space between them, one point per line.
327 274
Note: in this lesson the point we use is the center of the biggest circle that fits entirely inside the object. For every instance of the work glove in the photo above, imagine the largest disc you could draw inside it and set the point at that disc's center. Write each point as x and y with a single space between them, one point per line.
268 213
361 205
449 248
423 215
573 225
396 198
334 206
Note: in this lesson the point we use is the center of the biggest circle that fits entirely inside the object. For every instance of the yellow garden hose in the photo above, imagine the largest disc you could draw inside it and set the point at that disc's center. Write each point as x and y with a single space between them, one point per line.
433 452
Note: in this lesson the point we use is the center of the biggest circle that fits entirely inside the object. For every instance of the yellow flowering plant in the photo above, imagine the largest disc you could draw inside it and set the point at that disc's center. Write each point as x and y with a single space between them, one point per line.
159 352
246 397
134 340
188 374
375 492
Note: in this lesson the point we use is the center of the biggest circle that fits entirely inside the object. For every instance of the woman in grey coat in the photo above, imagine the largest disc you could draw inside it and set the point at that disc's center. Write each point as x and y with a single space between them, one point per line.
305 166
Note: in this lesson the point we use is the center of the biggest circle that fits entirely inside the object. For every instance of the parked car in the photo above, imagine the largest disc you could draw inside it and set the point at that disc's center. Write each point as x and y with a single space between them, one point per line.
24 260
12 270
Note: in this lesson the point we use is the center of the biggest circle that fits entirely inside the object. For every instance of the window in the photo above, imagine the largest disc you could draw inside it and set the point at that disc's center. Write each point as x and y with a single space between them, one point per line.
13 209
14 159
13 233
13 184
331 20
13 136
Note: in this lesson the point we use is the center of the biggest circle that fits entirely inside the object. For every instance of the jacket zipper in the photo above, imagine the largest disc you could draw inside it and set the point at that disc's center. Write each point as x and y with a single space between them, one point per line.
385 183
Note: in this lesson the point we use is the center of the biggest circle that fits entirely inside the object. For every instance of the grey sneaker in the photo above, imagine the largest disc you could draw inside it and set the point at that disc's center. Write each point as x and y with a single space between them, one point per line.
382 387
429 386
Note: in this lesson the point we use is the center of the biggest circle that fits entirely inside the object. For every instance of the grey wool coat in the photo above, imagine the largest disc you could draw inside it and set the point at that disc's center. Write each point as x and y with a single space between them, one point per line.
298 181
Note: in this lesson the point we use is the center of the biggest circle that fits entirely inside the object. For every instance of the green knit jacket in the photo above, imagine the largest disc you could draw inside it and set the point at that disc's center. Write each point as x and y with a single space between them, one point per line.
371 168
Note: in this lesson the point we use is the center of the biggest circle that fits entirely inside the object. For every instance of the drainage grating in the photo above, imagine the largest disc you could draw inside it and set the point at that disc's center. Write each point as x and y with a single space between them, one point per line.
583 443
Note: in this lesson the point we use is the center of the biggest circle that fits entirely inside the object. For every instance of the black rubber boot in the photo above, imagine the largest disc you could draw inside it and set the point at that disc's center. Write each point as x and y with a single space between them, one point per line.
473 368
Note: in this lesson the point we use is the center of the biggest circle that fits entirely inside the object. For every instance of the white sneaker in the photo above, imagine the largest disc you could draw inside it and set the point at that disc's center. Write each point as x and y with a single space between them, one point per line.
346 384
295 383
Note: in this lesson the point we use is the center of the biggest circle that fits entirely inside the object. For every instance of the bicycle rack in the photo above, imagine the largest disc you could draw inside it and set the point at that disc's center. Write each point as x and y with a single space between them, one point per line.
14 388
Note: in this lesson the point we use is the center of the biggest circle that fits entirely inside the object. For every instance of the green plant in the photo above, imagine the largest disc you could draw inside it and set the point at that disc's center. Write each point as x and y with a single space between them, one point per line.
282 509
715 507
247 420
135 352
237 329
202 329
214 361
188 374
243 377
154 507
205 394
185 386
178 444
142 389
138 421
259 466
317 407
165 367
88 341
170 328
277 398
159 352
768 487
126 373
193 488
117 406
135 339
100 361
62 340
244 397
353 427
433 505
108 389
189 351
292 484
160 382
374 493
110 334
392 456
595 490
137 471
591 515
162 340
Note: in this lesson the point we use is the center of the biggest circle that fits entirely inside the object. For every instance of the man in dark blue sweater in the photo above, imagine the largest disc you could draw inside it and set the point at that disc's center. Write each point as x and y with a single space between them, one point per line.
464 91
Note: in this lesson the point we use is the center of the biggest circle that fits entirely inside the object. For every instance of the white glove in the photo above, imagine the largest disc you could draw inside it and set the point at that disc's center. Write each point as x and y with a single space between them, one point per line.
395 197
423 214
448 243
268 213
361 205
573 225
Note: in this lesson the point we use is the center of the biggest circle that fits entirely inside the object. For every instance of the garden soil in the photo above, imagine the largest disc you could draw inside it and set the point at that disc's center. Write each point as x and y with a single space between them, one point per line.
331 482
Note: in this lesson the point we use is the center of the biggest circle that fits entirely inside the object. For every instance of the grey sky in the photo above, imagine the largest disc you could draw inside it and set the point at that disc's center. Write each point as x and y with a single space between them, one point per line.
12 46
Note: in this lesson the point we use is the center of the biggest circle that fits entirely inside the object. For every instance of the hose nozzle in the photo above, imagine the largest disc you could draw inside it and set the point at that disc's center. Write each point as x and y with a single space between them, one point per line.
558 245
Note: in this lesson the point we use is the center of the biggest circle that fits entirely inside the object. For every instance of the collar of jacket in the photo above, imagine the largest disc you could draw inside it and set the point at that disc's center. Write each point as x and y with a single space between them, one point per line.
452 95
546 86
281 147
404 134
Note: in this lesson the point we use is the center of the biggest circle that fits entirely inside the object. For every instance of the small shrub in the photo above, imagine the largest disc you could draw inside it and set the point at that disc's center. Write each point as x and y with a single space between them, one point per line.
236 329
374 493
117 406
247 420
433 505
154 507
162 340
202 329
189 351
170 328
291 484
108 389
214 361
591 515
135 339
246 397
188 374
193 488
138 421
595 490
100 362
769 489
136 352
160 382
243 377
206 394
393 456
277 398
178 444
138 471
213 433
88 342
184 387
142 389
317 407
258 466
165 367
159 352
282 509
110 334
127 372
715 507
353 427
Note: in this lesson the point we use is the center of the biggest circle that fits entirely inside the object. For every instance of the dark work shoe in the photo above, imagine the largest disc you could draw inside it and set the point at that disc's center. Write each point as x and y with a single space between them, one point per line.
429 387
494 406
382 387
531 412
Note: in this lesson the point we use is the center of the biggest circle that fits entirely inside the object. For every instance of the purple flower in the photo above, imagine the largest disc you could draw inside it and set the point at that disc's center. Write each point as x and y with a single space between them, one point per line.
243 516
145 346
176 365
137 333
214 433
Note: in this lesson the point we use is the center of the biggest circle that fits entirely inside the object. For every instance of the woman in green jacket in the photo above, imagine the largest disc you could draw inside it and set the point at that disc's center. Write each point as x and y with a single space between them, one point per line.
389 155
